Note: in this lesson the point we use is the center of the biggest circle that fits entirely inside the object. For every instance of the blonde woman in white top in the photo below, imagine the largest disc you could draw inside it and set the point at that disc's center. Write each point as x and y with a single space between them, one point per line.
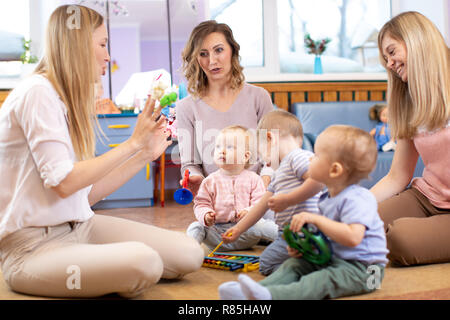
51 242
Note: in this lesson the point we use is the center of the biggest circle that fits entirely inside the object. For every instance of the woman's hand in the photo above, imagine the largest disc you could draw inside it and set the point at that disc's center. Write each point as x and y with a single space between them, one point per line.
194 184
150 134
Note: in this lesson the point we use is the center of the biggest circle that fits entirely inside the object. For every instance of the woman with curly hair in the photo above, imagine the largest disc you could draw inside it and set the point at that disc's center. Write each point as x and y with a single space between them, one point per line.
219 97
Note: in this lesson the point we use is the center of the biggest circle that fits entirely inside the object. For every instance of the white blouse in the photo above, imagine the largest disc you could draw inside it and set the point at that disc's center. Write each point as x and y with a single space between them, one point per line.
36 153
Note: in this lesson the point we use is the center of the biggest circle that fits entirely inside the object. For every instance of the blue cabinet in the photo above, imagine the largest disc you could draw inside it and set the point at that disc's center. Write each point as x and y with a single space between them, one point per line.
138 191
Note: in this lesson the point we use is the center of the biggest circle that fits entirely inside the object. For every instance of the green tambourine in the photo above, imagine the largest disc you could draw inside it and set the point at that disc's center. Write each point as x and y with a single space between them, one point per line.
312 243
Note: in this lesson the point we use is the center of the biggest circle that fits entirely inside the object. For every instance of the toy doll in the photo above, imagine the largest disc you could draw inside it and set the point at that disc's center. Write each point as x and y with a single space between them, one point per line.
381 132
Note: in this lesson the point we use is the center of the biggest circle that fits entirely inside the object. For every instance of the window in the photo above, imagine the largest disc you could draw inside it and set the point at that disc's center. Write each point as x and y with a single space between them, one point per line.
15 18
352 26
245 18
14 26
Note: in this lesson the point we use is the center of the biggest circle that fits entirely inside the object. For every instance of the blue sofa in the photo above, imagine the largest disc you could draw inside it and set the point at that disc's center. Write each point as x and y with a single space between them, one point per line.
316 116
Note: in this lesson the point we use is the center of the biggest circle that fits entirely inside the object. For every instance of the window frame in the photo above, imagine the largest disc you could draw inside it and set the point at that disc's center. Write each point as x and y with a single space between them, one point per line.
271 69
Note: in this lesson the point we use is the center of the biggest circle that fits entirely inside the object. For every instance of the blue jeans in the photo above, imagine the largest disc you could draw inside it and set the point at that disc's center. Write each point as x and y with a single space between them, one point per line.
273 256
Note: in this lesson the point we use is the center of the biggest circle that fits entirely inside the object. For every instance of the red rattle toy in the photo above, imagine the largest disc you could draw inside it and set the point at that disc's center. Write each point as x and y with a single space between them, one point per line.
184 195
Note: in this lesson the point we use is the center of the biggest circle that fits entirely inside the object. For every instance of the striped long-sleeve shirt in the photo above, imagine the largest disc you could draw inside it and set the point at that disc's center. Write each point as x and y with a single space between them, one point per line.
289 176
227 195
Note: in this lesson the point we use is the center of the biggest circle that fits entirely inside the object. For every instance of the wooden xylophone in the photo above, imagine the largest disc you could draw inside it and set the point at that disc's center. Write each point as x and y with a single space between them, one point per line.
232 262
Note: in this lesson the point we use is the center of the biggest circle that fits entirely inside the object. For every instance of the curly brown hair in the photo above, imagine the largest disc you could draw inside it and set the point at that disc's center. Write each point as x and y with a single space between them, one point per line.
196 77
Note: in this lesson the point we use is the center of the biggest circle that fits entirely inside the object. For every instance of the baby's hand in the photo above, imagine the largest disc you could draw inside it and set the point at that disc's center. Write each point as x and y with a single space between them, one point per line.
241 214
278 202
299 220
231 235
210 219
294 252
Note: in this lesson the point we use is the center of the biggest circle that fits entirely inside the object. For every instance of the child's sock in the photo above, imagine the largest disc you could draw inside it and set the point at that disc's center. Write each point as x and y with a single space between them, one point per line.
252 289
231 290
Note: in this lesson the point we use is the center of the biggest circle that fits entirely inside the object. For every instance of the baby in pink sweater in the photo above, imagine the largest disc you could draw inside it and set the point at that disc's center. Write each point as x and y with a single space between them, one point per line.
226 195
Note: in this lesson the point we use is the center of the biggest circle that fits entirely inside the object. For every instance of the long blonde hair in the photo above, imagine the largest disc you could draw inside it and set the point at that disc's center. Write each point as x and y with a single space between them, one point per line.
196 77
424 100
69 64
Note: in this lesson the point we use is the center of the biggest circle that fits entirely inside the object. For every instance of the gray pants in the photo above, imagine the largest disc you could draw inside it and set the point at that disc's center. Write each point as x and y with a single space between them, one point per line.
273 256
212 236
298 279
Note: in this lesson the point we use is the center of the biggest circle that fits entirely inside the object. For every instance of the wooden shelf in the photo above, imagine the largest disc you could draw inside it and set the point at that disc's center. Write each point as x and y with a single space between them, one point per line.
3 95
284 94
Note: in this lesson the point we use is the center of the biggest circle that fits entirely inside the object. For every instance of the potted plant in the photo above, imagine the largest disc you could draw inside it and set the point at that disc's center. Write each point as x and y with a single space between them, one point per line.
317 48
29 61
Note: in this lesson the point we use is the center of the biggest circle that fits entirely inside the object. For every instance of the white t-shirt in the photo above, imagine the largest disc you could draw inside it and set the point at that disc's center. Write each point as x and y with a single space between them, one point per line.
36 153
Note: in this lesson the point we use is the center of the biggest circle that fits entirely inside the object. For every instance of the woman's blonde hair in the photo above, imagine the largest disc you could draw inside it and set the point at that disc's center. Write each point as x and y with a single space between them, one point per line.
424 100
69 64
196 77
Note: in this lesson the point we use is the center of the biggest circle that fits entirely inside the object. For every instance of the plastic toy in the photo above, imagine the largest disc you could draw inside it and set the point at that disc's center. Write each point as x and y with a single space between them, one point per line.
158 88
184 195
381 133
168 99
232 262
312 243
218 246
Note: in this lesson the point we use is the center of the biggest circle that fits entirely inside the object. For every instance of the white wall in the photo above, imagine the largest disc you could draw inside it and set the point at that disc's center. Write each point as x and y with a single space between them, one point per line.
436 10
40 12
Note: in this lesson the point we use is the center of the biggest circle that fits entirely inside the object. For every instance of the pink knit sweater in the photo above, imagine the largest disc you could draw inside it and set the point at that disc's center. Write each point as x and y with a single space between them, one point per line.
227 195
434 148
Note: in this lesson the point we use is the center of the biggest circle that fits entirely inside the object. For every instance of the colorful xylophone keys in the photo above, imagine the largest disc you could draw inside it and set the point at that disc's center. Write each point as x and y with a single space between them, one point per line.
232 262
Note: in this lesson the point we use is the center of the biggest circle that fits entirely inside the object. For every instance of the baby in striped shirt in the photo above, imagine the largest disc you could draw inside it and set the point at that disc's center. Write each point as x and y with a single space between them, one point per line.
291 191
226 195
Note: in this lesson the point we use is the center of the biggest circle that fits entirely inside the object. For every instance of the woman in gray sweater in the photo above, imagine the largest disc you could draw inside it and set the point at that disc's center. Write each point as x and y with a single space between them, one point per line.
219 97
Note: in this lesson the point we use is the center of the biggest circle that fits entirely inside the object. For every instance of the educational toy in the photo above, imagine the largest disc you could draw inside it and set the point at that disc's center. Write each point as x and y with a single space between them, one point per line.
184 195
312 243
232 262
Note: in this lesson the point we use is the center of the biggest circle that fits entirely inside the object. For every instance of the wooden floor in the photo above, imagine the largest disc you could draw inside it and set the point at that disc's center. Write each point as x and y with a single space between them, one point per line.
423 282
